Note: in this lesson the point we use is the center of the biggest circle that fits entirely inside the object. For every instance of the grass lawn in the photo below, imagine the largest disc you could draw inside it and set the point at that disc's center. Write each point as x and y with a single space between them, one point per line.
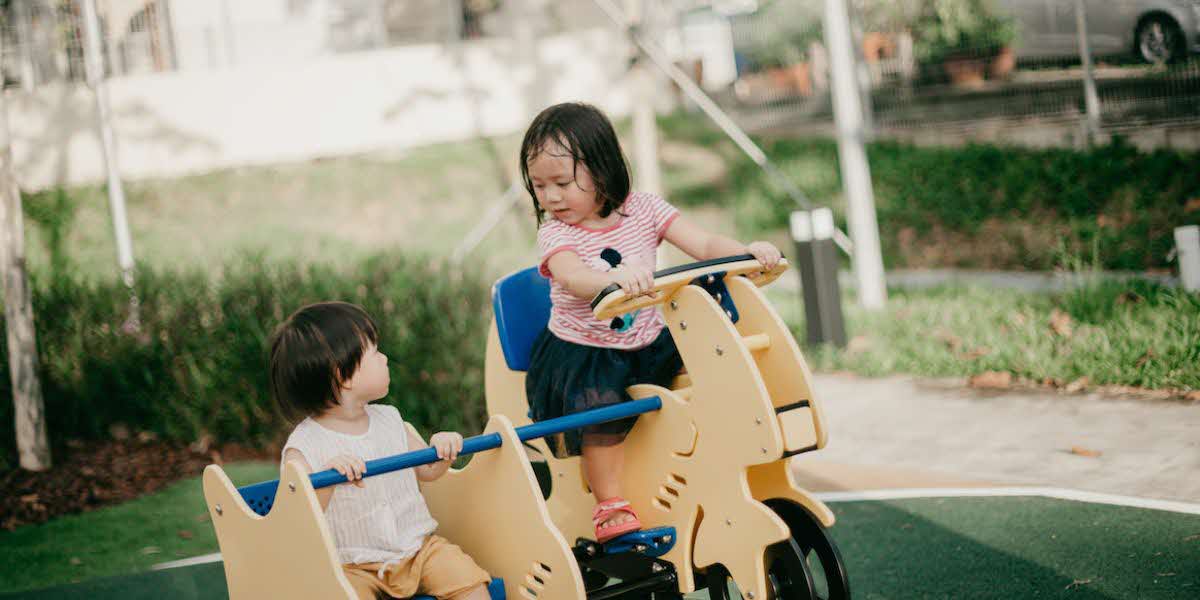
1114 333
334 210
118 540
425 200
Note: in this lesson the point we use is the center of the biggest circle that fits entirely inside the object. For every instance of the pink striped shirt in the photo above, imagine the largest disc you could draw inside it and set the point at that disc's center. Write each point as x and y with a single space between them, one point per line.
636 237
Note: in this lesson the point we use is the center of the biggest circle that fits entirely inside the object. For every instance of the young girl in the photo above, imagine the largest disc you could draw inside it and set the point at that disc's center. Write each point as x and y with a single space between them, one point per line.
598 234
326 366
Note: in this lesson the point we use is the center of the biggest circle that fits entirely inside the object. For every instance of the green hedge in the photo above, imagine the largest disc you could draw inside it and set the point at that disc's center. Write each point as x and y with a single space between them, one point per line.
978 206
198 365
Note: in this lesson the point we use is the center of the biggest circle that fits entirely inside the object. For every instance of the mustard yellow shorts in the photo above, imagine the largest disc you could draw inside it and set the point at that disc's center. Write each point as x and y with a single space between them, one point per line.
439 569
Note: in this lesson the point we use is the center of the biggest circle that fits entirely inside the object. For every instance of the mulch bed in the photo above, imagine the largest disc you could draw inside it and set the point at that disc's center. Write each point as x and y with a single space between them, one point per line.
87 475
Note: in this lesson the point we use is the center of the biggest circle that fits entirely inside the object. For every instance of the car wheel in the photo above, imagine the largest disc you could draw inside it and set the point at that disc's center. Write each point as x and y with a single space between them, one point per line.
1159 40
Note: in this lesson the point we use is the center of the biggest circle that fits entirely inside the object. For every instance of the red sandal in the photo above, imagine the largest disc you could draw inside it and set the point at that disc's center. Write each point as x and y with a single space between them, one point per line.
605 510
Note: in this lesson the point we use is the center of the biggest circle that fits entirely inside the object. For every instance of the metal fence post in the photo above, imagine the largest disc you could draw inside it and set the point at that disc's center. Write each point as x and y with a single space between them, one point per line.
817 261
1090 97
108 148
1187 242
852 157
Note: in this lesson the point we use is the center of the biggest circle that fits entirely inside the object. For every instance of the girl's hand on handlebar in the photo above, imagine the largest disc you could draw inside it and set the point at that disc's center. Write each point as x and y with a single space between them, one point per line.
351 467
447 443
634 280
766 253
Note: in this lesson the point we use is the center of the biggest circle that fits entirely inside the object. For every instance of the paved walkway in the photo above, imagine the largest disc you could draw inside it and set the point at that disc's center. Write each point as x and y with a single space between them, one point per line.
905 432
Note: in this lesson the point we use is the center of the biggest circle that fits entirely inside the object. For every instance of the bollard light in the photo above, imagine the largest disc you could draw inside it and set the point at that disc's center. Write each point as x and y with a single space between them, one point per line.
817 261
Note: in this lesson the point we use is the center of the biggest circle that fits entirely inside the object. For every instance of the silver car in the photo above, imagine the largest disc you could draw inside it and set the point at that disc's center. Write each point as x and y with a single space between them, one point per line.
1157 31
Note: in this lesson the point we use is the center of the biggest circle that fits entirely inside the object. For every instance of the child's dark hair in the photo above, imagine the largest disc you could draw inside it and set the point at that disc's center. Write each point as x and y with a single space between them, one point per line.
314 351
588 135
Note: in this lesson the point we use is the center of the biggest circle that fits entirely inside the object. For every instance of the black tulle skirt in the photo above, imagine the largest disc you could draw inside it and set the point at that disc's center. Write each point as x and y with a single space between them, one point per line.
565 378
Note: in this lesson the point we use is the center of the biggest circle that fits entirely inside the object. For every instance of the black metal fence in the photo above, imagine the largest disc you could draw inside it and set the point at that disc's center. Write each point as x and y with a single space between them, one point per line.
971 66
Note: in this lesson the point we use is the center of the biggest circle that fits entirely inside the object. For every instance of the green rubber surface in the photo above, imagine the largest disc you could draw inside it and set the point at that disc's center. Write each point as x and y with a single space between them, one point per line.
929 548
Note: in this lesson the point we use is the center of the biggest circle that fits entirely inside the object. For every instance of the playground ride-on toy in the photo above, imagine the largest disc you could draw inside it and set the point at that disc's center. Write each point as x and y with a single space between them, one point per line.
706 469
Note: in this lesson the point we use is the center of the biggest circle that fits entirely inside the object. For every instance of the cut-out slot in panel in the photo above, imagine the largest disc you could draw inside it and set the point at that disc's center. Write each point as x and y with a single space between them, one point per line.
666 491
678 479
542 569
661 504
528 593
691 449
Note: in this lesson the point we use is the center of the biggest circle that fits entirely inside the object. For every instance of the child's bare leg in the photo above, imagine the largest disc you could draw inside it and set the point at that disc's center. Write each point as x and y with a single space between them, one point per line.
603 466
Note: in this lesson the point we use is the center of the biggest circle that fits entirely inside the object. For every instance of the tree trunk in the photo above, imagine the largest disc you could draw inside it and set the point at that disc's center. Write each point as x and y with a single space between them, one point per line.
32 440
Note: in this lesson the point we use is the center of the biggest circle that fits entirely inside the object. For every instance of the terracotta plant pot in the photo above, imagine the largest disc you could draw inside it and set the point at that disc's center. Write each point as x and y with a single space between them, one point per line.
1003 64
781 79
801 78
966 71
878 46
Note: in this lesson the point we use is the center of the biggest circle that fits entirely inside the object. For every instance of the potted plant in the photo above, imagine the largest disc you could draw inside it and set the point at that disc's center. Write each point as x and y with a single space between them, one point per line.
779 63
965 37
778 55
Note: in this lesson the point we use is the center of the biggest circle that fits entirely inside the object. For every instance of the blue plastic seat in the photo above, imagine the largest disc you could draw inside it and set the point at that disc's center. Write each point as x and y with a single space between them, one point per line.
521 305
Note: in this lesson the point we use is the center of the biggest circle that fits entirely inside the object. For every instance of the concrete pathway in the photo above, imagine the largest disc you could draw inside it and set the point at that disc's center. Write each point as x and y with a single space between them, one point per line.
901 432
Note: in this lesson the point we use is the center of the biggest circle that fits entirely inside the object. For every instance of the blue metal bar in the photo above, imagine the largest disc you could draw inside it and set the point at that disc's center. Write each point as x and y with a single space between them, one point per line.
407 460
471 445
589 417
491 441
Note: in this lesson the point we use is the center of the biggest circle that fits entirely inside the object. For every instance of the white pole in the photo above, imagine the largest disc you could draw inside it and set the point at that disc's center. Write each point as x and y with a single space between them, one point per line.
722 120
116 193
25 45
1187 242
1091 97
228 35
454 21
645 128
29 409
856 172
648 177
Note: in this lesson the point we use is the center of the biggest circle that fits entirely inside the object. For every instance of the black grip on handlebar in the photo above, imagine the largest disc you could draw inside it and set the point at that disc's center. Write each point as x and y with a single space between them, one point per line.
675 270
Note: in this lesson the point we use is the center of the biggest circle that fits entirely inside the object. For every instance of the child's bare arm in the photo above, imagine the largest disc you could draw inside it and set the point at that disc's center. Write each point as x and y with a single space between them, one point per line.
350 466
585 282
705 245
447 443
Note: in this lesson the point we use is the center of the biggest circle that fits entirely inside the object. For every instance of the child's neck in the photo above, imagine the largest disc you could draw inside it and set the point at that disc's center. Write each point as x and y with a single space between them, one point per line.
595 221
350 418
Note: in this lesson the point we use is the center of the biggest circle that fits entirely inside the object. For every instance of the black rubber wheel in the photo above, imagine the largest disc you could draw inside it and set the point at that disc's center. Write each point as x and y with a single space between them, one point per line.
787 576
806 567
1159 40
821 555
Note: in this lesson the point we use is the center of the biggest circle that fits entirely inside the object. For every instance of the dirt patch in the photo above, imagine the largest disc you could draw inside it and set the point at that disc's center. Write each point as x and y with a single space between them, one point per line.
91 475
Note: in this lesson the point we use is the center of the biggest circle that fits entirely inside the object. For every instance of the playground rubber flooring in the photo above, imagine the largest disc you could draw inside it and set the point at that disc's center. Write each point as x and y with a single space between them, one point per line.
931 547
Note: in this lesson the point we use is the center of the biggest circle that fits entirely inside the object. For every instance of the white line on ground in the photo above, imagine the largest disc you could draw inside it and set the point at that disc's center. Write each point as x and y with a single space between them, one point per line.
1047 492
900 494
187 562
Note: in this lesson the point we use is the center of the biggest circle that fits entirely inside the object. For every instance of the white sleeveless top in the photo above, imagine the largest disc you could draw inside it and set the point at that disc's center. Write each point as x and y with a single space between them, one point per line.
385 521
